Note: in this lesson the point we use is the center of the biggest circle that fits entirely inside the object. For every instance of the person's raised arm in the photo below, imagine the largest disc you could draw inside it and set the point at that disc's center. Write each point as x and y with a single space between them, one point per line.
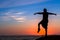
38 13
51 13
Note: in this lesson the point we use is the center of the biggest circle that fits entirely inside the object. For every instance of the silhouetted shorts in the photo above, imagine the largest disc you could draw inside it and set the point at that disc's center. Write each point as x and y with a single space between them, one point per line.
44 24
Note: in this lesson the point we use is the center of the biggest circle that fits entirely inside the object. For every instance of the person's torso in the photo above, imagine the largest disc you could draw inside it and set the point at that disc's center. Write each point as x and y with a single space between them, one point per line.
45 16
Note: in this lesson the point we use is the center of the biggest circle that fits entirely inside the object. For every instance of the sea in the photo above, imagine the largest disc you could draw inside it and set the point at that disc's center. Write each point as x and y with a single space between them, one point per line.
18 37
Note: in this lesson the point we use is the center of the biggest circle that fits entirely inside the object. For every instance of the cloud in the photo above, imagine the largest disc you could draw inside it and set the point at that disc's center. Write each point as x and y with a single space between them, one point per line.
13 16
19 19
13 3
20 13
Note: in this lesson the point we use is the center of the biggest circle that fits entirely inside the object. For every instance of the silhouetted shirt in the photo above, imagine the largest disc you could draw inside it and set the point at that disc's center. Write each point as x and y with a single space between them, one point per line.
45 16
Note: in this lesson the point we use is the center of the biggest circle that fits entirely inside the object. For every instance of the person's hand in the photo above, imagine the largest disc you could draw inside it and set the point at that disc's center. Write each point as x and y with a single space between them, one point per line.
34 13
55 14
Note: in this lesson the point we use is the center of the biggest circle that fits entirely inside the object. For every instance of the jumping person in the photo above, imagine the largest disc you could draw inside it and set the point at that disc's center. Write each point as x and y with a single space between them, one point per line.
44 21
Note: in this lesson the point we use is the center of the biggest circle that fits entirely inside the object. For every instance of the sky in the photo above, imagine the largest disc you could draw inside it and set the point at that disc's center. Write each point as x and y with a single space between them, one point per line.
16 17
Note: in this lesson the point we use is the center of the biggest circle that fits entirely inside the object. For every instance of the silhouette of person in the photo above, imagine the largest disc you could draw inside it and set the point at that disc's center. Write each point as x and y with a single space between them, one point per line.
44 21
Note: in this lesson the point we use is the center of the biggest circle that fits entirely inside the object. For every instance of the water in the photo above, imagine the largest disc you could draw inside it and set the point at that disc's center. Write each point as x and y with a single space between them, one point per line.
18 37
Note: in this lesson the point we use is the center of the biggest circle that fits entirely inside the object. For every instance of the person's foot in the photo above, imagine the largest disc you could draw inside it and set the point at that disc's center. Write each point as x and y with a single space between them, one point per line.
38 30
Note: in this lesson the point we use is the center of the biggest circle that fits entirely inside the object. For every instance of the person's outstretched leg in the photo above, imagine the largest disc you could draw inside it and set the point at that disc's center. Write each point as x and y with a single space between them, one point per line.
39 26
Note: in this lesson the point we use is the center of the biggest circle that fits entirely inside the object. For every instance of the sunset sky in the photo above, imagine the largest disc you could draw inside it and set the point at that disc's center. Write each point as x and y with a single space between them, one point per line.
16 17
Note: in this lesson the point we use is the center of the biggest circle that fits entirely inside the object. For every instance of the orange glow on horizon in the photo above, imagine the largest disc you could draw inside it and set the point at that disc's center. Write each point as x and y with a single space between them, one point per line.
29 28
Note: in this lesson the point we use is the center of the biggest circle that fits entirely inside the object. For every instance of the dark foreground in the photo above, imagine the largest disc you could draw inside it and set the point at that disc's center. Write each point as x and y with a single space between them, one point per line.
18 37
50 37
30 37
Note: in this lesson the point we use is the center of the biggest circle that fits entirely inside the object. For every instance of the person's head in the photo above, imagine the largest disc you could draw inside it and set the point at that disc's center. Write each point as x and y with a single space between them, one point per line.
45 10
